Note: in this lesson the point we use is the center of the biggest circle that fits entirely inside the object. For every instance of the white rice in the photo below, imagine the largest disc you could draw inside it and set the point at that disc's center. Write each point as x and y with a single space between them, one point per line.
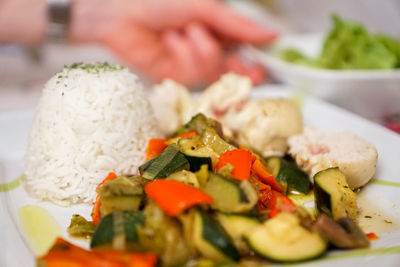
91 120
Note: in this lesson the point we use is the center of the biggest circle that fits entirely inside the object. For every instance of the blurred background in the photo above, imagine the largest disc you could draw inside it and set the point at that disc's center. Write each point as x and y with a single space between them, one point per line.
25 68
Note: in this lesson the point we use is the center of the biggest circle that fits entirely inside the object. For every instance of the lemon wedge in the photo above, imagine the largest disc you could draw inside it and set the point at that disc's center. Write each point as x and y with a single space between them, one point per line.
40 228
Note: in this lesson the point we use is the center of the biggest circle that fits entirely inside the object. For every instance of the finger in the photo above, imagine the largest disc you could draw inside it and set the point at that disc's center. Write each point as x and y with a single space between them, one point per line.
162 69
139 47
182 56
234 63
207 49
256 73
232 25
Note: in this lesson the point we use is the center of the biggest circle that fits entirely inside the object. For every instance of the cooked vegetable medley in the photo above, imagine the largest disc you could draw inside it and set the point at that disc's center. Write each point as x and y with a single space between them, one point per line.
202 201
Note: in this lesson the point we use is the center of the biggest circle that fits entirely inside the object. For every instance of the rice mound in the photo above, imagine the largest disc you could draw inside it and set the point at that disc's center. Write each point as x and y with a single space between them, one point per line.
91 119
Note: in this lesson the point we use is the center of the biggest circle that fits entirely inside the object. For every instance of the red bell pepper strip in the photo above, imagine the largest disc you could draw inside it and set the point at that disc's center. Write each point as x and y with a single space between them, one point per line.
273 213
258 184
174 197
189 134
261 188
96 211
274 200
110 176
261 171
372 236
241 161
134 259
96 208
155 147
253 157
65 254
271 199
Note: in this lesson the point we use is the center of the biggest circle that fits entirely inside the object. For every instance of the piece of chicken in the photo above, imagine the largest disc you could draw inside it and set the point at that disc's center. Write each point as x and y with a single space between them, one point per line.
315 151
264 125
172 104
230 92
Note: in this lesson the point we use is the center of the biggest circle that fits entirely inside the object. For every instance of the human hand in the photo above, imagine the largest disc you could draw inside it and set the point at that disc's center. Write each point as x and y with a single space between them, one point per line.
185 40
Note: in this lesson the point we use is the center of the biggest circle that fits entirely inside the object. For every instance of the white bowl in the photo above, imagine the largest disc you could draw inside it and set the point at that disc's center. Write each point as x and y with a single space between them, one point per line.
370 93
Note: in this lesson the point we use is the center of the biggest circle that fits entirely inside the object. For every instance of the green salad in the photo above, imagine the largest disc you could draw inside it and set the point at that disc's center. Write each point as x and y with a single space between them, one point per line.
349 46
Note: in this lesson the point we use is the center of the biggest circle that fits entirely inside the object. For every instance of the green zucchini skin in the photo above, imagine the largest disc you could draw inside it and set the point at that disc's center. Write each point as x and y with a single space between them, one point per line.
198 122
333 195
289 174
196 162
104 232
110 204
236 226
146 165
226 194
121 193
169 161
323 201
214 234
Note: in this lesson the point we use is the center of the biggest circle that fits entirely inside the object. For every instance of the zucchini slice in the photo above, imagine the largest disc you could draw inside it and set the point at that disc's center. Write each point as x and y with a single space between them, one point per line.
118 203
195 148
289 174
283 239
228 196
104 234
195 162
211 240
186 177
169 161
198 122
333 195
122 193
236 226
211 139
207 145
195 156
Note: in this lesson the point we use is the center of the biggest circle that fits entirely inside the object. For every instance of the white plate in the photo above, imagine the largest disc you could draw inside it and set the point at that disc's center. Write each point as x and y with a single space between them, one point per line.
370 93
385 251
